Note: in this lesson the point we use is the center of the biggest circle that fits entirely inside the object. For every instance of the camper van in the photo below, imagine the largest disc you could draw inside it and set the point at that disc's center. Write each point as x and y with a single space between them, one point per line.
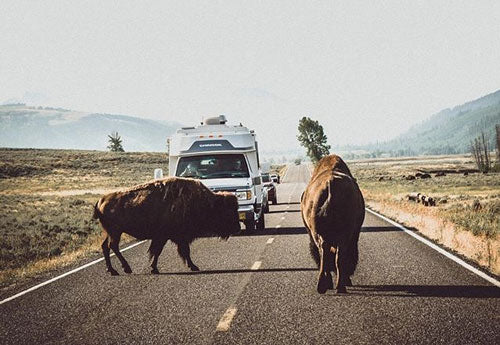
224 158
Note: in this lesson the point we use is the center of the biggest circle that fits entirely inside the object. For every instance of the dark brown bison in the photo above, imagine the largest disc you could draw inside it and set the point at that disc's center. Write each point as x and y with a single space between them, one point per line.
333 211
175 209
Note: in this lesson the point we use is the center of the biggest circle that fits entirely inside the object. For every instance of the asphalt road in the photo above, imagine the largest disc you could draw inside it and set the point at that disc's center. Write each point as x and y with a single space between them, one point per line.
261 289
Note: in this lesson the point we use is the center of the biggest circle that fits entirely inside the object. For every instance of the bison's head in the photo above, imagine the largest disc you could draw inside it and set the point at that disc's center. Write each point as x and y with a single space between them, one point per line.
226 213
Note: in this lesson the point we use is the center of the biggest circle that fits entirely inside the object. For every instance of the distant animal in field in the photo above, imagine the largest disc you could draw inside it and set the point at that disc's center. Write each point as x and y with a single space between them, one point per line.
421 198
428 201
175 209
414 197
333 211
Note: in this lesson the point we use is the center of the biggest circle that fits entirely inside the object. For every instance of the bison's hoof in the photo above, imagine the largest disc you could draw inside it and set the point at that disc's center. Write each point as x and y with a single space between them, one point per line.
194 268
113 272
155 271
324 283
322 286
321 289
341 289
127 269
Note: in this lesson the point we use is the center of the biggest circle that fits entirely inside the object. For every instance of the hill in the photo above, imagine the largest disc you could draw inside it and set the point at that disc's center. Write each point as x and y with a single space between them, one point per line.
23 126
447 132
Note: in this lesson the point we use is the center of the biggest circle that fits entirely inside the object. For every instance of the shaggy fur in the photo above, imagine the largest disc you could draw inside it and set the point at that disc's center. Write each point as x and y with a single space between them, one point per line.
176 209
333 211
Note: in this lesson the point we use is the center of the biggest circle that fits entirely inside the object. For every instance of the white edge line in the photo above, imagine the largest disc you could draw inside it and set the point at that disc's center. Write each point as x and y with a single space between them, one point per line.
225 321
33 288
439 249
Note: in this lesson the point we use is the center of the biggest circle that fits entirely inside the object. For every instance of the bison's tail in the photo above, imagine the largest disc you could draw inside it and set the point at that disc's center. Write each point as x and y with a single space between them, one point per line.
97 214
313 249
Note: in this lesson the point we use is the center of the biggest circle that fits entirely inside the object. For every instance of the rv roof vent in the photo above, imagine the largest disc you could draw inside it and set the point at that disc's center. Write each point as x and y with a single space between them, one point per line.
216 120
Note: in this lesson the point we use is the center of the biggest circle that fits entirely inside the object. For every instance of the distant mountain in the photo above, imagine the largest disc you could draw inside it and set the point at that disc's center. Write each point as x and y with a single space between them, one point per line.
42 127
449 131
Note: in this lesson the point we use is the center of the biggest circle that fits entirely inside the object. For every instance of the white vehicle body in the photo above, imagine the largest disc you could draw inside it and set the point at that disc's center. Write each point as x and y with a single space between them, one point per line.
201 151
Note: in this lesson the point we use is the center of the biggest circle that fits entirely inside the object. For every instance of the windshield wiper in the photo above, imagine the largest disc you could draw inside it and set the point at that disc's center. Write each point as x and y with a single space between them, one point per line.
239 174
192 176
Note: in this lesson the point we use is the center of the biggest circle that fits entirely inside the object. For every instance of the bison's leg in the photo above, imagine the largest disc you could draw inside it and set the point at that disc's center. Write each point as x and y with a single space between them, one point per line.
155 249
325 277
185 254
342 267
351 263
105 251
329 265
351 258
114 242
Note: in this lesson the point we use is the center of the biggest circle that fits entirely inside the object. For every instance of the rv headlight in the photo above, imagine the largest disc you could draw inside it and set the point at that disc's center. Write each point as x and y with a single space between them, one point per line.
244 195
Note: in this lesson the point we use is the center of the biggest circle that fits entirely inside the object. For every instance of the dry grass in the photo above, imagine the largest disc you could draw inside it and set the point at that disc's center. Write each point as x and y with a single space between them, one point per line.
382 181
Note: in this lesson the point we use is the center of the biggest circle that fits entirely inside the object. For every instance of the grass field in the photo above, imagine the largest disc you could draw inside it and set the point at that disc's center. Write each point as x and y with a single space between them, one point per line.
384 181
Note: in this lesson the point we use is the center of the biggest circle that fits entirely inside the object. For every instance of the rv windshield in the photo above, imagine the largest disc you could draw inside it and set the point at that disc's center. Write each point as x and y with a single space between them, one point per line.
212 166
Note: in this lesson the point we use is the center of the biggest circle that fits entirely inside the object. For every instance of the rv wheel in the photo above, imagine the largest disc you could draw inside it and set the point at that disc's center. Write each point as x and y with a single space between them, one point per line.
250 225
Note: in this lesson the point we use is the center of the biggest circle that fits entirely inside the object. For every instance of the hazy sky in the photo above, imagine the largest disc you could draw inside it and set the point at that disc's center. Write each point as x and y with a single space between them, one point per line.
366 70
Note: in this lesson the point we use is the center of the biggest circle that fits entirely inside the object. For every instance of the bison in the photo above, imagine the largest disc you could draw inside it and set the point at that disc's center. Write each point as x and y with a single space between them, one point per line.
176 209
333 211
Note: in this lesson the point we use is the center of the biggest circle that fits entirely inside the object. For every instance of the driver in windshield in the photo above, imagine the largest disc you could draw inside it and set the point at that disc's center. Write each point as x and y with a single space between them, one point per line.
190 171
237 166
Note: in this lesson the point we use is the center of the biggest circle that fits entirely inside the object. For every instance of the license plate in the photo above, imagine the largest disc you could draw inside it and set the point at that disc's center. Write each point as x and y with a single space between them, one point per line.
242 216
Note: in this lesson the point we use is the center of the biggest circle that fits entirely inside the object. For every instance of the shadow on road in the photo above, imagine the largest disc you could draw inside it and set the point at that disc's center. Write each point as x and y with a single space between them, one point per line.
463 291
379 229
263 270
274 231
